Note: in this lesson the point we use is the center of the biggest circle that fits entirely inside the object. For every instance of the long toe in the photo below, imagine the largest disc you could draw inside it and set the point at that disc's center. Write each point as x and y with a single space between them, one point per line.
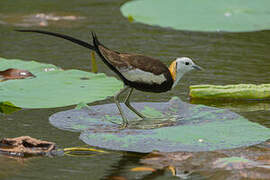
123 126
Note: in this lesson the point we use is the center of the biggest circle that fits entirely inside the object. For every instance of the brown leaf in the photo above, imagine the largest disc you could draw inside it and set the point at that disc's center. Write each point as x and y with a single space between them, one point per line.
25 145
11 73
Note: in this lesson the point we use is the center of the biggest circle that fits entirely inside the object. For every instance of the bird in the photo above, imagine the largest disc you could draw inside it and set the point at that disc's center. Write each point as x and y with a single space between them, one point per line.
137 71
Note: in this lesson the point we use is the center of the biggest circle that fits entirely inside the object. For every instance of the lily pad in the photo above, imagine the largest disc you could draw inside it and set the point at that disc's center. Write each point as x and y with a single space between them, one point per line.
206 15
54 87
171 126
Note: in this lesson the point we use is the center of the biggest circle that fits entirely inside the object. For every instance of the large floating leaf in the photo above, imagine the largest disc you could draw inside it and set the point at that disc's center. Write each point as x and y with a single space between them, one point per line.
239 91
201 15
174 126
53 87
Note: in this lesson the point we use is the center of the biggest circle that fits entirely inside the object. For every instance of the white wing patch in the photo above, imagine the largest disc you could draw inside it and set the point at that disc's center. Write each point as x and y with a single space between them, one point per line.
137 75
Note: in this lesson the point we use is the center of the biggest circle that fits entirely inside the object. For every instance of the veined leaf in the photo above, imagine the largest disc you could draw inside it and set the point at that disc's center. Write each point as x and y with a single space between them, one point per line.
54 87
201 15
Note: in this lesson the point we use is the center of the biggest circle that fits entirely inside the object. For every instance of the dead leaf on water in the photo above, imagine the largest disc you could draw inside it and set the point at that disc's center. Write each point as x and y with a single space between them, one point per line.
11 73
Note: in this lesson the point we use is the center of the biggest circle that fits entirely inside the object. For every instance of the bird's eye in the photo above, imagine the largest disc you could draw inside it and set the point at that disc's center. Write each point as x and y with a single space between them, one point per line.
187 63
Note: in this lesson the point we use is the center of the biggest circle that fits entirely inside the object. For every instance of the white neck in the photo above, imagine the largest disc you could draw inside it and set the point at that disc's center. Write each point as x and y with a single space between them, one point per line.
178 77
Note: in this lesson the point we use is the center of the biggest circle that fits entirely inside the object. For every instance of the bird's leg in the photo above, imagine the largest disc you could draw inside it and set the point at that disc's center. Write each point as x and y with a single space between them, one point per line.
127 103
116 100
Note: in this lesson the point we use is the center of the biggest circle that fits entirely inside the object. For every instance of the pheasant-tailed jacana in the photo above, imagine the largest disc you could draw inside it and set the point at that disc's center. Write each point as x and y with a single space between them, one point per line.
136 71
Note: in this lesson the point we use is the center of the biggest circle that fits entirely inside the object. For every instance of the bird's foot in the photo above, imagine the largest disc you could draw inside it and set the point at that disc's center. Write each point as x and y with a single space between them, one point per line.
121 126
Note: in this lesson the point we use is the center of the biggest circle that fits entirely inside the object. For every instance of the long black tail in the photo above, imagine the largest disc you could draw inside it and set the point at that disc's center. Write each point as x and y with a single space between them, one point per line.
96 44
94 47
76 41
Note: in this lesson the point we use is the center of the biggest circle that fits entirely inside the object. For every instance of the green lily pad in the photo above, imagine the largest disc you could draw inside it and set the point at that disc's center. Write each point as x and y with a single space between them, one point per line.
173 126
206 15
54 87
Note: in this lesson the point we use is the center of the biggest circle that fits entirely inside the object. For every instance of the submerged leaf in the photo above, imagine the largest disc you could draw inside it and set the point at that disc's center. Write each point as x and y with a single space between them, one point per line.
53 87
206 15
231 163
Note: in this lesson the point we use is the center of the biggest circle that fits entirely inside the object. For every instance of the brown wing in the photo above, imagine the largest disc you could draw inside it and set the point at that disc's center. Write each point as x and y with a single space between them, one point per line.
122 60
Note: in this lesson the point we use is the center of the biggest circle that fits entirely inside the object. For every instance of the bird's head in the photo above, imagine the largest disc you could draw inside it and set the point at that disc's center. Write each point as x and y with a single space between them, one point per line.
180 66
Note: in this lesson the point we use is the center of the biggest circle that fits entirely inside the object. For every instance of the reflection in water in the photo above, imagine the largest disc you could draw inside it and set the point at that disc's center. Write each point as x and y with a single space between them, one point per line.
123 169
248 162
118 168
237 105
10 166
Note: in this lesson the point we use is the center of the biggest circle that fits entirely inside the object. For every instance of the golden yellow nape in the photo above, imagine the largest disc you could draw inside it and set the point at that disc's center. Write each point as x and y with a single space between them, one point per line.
172 69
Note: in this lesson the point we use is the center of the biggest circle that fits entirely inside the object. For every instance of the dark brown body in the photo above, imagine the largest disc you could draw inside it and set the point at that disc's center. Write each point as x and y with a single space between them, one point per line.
137 61
116 61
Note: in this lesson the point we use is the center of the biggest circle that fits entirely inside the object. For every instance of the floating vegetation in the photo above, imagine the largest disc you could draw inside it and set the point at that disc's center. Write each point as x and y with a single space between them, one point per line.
238 91
54 87
25 146
194 15
179 127
8 108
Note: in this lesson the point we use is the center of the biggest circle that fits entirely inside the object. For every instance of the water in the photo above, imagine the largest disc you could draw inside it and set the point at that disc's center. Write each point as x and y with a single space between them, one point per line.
228 58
